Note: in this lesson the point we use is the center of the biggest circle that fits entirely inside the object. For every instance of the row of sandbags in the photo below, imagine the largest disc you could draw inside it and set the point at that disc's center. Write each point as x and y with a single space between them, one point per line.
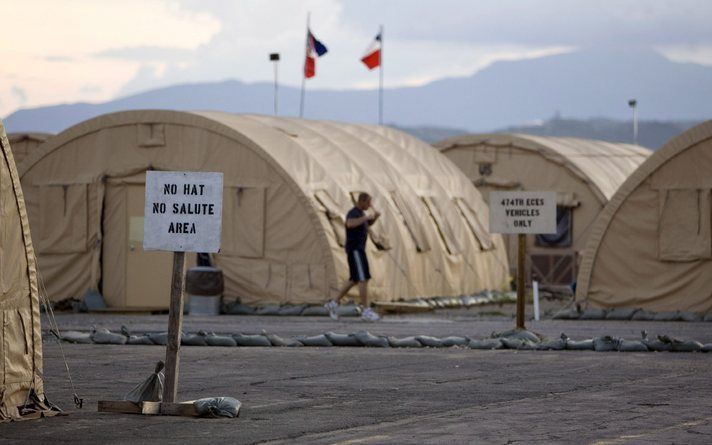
630 314
514 339
488 297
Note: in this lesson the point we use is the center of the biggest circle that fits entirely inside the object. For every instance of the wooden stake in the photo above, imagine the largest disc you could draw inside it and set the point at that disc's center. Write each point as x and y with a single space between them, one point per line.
521 282
175 324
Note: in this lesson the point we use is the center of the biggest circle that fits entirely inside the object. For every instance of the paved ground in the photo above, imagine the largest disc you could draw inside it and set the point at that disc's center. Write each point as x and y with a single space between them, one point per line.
365 396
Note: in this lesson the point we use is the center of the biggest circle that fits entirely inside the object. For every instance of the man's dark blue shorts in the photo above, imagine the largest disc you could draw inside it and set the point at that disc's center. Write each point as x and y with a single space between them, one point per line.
358 265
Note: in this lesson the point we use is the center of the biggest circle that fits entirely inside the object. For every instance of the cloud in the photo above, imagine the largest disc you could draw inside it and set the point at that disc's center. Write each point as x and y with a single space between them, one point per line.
49 47
53 50
148 53
19 94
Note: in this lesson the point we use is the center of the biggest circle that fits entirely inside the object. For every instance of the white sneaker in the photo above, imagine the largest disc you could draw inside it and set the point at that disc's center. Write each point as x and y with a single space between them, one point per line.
332 306
370 315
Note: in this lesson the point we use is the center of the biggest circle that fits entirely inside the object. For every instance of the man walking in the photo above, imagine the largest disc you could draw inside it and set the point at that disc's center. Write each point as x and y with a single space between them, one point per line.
357 223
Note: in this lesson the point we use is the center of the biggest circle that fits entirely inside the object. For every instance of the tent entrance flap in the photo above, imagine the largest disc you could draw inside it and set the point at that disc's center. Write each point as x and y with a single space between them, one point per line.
148 274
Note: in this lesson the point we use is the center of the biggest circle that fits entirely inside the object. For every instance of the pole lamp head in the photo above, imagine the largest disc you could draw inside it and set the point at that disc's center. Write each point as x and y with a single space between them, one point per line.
632 103
274 57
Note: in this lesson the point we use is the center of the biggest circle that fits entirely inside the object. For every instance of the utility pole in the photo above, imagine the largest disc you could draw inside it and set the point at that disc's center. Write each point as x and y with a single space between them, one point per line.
274 58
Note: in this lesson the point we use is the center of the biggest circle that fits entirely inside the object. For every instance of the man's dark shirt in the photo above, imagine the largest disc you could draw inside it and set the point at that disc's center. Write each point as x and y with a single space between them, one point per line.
356 237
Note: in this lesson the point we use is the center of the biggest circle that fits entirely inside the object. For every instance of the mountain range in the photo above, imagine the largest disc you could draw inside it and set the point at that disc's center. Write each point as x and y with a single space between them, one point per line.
582 85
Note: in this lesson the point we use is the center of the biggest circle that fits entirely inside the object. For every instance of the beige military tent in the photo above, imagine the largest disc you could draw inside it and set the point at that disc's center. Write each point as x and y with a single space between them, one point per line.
23 143
651 247
584 173
21 386
288 184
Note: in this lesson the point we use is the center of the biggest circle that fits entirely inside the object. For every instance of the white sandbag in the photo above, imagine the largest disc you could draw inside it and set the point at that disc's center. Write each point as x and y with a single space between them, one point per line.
407 342
487 343
343 339
369 340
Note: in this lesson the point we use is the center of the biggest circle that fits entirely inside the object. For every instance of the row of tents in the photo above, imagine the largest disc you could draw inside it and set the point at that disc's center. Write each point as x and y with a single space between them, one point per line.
640 224
289 183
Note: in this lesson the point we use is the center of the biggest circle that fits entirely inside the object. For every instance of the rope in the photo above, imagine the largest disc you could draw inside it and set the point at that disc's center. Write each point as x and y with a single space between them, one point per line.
54 328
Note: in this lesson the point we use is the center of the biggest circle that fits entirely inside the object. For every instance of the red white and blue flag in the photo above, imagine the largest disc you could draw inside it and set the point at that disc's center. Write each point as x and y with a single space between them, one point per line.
372 58
314 49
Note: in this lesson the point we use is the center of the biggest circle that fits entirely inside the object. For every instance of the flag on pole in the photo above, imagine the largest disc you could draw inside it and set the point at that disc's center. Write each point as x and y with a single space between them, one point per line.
314 49
372 58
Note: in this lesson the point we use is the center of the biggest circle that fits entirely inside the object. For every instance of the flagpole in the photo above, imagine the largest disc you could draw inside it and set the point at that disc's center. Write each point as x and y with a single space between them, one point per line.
380 82
304 70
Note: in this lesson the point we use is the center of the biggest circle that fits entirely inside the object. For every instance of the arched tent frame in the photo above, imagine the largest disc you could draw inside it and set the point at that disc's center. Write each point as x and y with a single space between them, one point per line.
676 146
313 156
603 166
584 173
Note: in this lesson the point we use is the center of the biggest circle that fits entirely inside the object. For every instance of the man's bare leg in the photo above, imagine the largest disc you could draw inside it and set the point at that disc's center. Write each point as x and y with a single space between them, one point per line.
344 290
363 293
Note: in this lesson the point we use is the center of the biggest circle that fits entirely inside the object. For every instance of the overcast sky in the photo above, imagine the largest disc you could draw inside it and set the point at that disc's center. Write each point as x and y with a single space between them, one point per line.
57 51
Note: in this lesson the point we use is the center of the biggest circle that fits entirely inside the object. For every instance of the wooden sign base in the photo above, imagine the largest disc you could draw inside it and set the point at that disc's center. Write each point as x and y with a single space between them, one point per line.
185 409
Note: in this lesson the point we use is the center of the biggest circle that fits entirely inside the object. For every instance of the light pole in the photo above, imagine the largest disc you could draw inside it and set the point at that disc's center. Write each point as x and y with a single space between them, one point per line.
274 57
633 103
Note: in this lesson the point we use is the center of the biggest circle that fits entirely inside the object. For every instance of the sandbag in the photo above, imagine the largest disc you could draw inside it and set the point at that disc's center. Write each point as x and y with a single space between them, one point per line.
158 338
706 348
348 310
276 340
643 315
236 308
690 316
315 311
343 339
106 337
518 343
680 345
487 343
139 340
593 313
77 337
291 310
369 340
708 317
519 334
151 389
315 340
251 340
571 314
455 341
579 345
222 340
194 339
430 342
218 407
407 342
667 316
632 346
621 313
553 345
270 309
605 343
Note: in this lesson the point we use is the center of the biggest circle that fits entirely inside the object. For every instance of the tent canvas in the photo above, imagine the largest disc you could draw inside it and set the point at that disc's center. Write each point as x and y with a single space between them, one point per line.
21 384
288 184
651 246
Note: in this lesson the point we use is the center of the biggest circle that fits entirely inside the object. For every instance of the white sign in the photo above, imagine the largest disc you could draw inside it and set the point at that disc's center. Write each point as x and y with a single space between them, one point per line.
522 212
183 211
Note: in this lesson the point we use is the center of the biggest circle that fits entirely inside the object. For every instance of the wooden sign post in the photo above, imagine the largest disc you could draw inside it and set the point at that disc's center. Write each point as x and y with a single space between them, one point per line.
175 326
522 213
183 213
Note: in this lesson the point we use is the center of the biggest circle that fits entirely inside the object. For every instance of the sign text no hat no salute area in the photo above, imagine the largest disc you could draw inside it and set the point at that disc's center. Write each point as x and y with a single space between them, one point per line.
522 213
